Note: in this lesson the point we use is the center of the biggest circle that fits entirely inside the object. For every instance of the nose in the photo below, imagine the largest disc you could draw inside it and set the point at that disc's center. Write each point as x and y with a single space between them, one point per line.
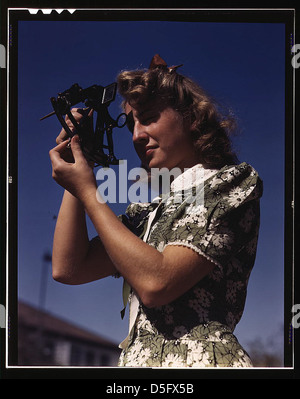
140 134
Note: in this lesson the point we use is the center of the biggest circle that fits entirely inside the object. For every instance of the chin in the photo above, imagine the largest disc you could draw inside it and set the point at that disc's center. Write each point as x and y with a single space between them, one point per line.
156 164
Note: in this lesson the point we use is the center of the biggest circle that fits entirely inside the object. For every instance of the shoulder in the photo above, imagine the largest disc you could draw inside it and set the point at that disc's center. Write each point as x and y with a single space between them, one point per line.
235 173
236 181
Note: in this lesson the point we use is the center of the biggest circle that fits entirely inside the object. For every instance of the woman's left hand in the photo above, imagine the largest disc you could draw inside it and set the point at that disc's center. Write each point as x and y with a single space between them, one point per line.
77 177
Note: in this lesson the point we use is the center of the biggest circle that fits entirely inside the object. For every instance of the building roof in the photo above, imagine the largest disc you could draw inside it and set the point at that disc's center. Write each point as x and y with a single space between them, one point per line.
33 317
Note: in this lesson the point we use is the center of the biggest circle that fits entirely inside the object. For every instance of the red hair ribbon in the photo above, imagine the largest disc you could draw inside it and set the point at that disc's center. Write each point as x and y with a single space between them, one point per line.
157 62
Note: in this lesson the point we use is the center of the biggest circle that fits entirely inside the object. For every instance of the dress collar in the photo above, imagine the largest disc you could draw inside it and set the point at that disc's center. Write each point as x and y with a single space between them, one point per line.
192 177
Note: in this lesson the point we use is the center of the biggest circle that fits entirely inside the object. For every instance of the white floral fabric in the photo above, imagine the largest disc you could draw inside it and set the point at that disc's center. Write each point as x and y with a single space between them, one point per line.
218 217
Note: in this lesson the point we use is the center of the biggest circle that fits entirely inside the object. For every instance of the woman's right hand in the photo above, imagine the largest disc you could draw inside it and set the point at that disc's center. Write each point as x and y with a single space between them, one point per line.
78 114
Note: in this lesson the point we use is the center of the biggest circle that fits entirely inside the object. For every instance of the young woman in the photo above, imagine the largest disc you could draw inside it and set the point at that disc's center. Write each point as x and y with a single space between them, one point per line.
185 263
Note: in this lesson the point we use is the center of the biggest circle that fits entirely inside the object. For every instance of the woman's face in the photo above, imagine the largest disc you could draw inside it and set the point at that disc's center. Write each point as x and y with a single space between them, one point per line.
161 137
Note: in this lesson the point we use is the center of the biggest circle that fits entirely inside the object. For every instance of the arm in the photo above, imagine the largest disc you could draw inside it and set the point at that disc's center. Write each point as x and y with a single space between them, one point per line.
158 278
75 259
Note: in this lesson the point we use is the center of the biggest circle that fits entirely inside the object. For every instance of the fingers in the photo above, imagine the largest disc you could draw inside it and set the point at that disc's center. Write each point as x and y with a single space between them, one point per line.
78 153
91 112
62 160
63 135
76 149
61 146
73 177
56 162
56 152
78 114
64 152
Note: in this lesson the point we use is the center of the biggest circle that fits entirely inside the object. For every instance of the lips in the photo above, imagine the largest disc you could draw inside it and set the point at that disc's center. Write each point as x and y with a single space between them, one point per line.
150 147
149 150
145 152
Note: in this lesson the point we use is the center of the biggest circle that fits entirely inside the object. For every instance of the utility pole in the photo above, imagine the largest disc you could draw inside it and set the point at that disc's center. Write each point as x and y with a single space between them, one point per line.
47 259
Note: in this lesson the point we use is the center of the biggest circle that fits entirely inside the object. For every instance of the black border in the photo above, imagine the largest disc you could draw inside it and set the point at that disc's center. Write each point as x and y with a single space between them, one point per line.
204 15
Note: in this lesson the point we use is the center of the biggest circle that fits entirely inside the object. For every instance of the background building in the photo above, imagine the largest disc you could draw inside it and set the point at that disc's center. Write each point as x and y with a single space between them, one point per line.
44 339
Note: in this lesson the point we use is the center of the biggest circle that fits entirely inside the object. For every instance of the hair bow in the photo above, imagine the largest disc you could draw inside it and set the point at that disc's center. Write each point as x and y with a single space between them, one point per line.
158 62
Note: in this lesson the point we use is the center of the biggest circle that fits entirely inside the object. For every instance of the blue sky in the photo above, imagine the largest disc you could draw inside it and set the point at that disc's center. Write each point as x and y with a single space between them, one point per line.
241 64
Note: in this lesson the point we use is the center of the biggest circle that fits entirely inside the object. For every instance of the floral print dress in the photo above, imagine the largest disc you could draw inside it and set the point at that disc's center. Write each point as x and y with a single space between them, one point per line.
218 217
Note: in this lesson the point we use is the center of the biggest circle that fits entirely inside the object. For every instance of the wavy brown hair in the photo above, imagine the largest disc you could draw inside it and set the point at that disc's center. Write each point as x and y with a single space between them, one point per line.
210 128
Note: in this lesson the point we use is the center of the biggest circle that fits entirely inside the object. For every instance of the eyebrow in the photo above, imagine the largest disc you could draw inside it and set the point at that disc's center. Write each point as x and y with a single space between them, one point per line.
147 111
139 114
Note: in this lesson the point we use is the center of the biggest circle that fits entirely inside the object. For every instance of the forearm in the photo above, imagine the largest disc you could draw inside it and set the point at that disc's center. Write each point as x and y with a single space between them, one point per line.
139 263
71 242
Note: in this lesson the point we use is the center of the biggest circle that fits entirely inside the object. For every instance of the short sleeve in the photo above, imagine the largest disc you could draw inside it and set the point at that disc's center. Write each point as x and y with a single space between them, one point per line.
226 221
